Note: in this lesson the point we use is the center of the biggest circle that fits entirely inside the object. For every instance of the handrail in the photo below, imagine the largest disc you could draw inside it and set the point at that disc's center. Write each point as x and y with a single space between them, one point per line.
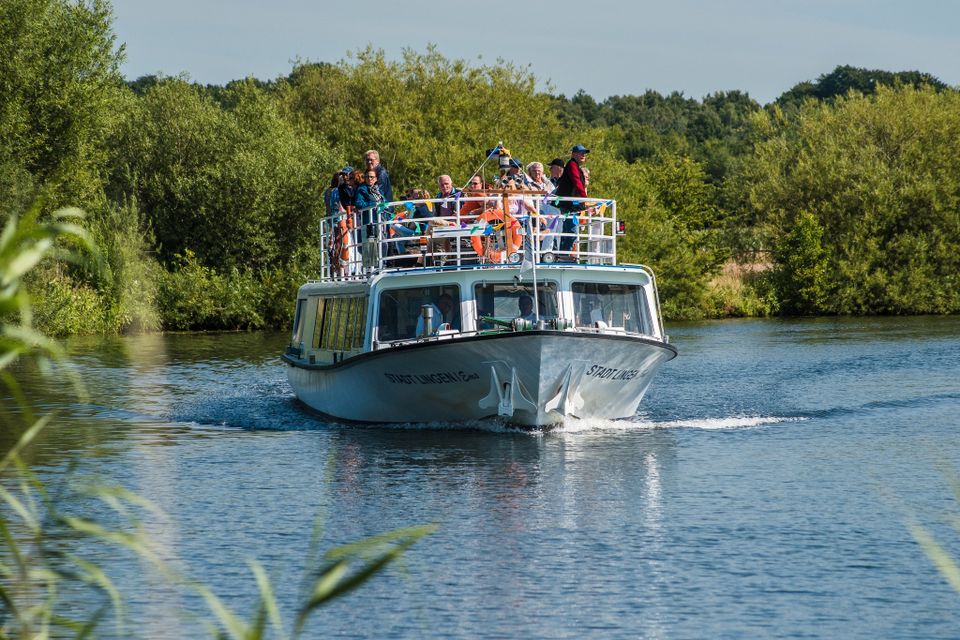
506 228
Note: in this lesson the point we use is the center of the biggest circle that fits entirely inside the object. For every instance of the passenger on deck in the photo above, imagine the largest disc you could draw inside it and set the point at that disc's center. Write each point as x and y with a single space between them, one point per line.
447 190
331 197
419 210
572 185
513 174
372 158
549 222
445 213
475 188
556 170
367 201
369 194
536 179
347 188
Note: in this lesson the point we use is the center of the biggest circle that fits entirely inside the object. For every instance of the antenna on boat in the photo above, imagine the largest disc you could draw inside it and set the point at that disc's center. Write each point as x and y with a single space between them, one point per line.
490 154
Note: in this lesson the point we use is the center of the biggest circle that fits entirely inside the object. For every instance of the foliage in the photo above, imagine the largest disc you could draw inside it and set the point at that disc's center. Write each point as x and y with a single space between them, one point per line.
670 220
880 177
845 79
127 277
426 115
714 131
801 271
239 187
59 77
234 175
194 296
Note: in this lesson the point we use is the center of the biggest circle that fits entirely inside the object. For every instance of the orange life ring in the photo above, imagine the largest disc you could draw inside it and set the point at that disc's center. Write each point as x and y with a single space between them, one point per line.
511 235
346 225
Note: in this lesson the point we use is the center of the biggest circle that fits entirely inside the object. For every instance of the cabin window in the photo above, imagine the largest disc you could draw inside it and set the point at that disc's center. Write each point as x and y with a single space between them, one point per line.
505 301
318 325
342 325
297 335
600 304
359 321
400 310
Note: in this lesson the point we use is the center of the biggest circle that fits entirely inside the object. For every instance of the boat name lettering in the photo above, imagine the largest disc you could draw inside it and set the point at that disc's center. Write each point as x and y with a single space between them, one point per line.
442 377
610 373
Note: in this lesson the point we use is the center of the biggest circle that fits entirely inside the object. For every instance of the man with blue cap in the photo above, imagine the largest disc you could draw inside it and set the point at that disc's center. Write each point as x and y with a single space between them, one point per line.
572 185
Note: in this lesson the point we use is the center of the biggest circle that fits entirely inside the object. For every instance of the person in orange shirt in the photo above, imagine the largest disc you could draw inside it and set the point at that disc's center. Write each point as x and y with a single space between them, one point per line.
474 189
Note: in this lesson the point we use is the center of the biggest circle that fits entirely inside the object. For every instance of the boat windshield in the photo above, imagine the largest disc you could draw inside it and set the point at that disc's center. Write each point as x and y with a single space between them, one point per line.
603 305
400 315
506 301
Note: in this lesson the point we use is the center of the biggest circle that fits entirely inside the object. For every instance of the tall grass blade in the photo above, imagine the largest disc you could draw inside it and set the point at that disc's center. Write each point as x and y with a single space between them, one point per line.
268 598
233 626
24 440
94 575
380 550
937 555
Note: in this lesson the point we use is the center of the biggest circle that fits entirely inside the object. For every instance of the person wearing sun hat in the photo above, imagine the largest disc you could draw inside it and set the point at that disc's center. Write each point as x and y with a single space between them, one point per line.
572 185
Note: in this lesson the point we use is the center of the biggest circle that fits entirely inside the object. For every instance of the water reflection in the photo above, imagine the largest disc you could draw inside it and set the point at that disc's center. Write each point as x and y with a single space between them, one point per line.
146 360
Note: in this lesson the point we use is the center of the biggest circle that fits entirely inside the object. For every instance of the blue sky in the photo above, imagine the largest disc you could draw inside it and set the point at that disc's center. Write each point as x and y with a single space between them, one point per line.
604 47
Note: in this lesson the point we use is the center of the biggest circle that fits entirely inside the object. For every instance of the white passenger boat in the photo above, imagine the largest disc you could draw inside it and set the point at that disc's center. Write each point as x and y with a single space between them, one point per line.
446 311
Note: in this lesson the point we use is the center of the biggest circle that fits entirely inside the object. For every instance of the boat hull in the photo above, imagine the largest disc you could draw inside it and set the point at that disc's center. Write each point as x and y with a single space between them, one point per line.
532 379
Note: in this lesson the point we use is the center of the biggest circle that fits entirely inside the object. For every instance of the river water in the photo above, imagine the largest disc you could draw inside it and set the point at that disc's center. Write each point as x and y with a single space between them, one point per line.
762 491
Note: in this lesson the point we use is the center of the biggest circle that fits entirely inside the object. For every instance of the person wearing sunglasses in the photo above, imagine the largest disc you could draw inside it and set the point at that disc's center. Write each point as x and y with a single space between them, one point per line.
369 194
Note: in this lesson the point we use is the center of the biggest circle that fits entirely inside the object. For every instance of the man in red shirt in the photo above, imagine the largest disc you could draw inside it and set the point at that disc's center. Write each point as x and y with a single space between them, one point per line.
572 185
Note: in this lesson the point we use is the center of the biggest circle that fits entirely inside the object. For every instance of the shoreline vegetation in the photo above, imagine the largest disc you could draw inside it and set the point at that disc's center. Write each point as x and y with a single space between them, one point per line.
841 197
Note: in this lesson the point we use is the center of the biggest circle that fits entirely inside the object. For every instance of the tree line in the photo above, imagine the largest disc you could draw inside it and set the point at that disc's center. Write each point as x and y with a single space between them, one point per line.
840 197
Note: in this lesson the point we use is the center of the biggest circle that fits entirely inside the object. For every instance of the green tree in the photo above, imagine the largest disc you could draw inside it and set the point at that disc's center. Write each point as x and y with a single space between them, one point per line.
881 176
241 187
801 267
845 78
59 80
427 115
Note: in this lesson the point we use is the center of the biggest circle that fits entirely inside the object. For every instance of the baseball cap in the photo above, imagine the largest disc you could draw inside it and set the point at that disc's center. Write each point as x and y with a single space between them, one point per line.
557 162
579 149
347 169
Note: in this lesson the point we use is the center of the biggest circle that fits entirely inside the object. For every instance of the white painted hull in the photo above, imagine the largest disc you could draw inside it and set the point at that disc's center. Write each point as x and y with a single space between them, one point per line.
534 379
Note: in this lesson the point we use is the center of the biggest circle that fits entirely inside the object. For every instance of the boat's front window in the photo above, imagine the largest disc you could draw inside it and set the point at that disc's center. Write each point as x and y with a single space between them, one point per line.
603 305
401 311
505 301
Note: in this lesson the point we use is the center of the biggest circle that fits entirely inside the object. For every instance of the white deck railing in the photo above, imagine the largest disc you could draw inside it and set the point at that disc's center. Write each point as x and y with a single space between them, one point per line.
495 228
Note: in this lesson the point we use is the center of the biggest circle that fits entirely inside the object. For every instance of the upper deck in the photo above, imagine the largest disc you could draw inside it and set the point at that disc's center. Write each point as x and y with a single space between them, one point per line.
471 230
